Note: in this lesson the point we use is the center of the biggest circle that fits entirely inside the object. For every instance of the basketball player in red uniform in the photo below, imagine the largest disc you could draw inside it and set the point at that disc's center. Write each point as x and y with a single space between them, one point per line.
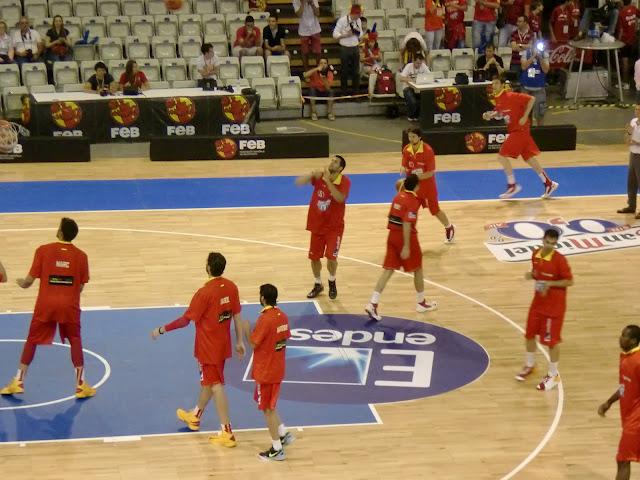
418 158
211 310
325 220
403 247
269 340
3 274
552 275
515 108
63 270
629 395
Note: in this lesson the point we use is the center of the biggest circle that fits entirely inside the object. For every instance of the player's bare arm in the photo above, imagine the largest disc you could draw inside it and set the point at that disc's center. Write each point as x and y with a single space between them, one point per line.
237 323
491 114
25 282
528 275
335 193
602 409
304 179
406 239
527 112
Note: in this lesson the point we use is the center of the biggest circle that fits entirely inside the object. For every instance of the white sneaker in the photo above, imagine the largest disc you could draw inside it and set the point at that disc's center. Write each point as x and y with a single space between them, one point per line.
423 306
549 189
549 382
511 191
450 233
372 311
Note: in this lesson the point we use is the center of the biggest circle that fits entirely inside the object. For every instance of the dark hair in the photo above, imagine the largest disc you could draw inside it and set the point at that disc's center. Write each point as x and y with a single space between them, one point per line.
128 70
205 47
216 263
491 46
634 332
626 2
552 234
411 182
364 19
415 130
249 19
69 229
343 162
269 293
273 15
418 56
535 5
523 18
100 65
53 23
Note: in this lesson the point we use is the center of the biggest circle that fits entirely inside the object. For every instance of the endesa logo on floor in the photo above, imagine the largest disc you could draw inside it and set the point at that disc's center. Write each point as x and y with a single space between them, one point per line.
514 241
349 359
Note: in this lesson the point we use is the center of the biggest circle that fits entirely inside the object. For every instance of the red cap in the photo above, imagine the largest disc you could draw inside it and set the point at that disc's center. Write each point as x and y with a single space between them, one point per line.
373 36
356 9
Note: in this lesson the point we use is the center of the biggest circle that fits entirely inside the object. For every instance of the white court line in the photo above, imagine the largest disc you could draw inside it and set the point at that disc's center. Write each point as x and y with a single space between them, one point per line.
558 414
306 205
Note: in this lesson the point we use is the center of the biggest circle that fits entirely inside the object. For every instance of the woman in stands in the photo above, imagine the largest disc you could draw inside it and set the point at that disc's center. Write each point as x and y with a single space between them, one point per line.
100 82
6 45
133 78
57 43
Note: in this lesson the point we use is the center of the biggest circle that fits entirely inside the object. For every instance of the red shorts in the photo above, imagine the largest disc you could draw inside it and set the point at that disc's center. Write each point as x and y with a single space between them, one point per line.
325 245
311 43
392 260
266 395
428 195
547 327
629 447
211 374
519 143
46 319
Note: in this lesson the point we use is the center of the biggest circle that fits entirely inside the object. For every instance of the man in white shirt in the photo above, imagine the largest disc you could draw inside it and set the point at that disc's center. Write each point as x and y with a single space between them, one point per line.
308 29
27 43
208 63
632 138
409 73
348 31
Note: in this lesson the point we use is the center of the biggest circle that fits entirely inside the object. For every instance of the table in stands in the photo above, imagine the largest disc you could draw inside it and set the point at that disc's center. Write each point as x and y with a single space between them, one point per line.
588 44
443 104
155 113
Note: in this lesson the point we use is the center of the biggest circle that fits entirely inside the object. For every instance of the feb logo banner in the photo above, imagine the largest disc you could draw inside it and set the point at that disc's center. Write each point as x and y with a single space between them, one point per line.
515 241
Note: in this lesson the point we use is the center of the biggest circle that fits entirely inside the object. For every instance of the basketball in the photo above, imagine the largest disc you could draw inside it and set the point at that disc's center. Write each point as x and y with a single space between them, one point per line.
173 5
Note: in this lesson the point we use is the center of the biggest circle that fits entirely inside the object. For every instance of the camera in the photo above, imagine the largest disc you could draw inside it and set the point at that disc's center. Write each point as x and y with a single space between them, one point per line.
540 46
29 53
104 92
354 28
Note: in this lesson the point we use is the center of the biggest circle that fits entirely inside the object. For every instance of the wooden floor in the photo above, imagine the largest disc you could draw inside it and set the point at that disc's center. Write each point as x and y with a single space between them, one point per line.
484 430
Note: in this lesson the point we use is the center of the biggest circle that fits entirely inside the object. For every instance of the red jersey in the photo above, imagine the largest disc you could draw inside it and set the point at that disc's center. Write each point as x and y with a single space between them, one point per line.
521 38
560 22
515 10
62 269
434 15
550 268
421 161
454 17
371 55
512 105
325 213
241 38
574 20
627 20
485 14
404 208
315 81
211 309
534 23
270 339
630 390
139 79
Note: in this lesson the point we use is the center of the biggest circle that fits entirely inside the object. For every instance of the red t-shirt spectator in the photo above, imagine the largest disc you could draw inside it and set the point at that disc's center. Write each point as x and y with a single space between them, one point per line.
139 79
315 81
242 41
454 17
371 56
561 22
485 14
534 23
627 21
270 338
512 12
520 38
574 21
434 15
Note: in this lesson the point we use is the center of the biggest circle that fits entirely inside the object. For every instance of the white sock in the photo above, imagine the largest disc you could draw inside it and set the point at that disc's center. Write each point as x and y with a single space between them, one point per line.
282 430
277 445
19 377
449 226
375 298
530 359
419 297
319 280
332 278
79 375
553 369
511 179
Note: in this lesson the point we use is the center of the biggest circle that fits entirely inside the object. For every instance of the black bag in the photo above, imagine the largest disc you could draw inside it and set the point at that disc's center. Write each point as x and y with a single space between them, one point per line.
479 75
461 79
207 84
130 91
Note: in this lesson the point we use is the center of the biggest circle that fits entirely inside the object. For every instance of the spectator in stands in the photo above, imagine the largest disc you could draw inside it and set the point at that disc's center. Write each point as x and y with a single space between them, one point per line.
248 39
409 73
6 44
636 79
521 40
133 78
411 49
484 23
348 31
607 15
365 25
309 29
370 54
535 18
512 9
57 45
208 62
560 22
274 35
320 79
490 62
534 62
434 24
627 33
28 46
454 23
100 82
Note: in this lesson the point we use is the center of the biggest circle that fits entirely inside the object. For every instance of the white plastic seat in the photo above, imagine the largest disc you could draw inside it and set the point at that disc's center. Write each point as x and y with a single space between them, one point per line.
397 18
11 97
84 52
84 8
189 46
143 26
174 69
252 67
156 7
87 69
58 7
9 75
159 85
163 47
388 5
386 40
228 6
266 88
183 84
505 54
96 26
42 25
110 49
137 47
378 17
190 25
204 7
36 8
65 72
220 44
214 24
119 27
34 74
117 68
229 68
416 20
73 87
166 25
110 8
278 66
132 7
440 60
463 59
74 26
289 92
42 89
151 68
234 21
412 6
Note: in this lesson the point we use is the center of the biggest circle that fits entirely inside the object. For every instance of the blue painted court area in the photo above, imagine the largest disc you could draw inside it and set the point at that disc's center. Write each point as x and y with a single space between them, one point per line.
148 381
152 194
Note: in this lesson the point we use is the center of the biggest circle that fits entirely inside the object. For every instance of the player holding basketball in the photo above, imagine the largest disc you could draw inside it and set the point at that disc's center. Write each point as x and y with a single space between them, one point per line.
515 108
325 220
63 270
418 158
3 274
268 341
629 395
403 247
211 310
552 275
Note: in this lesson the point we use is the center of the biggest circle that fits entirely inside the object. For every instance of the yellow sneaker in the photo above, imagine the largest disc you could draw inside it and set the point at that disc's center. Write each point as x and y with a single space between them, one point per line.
13 387
84 390
189 418
225 439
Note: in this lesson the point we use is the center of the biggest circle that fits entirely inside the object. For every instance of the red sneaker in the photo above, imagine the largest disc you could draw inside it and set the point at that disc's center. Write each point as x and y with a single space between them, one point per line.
511 190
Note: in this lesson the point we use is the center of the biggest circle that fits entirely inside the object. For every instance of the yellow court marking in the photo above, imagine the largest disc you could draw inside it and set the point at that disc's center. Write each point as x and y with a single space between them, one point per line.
349 132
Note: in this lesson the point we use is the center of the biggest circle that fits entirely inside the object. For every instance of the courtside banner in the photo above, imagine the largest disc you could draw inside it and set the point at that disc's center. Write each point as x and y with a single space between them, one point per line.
490 139
239 147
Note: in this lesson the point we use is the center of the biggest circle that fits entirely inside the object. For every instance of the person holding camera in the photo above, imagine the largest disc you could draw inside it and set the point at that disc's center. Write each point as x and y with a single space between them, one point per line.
320 79
57 45
27 43
100 82
534 62
348 31
208 63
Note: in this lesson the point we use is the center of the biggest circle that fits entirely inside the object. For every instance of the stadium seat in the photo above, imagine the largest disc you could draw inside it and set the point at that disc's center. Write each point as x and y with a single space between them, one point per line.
9 75
416 20
163 47
214 24
167 25
42 89
397 18
143 26
111 8
340 7
65 72
86 70
84 8
388 5
505 54
119 27
266 88
73 87
34 74
193 69
183 84
220 44
59 7
36 8
229 68
234 21
137 47
11 98
116 68
151 68
252 67
227 6
463 59
174 69
156 7
289 92
41 25
132 7
378 17
238 84
387 40
440 60
84 52
159 85
278 66
189 46
261 20
190 24
96 26
413 6
74 26
402 32
204 7
110 49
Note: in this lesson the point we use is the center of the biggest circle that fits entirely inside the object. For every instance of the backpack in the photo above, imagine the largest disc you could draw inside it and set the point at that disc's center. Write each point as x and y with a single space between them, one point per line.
385 83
